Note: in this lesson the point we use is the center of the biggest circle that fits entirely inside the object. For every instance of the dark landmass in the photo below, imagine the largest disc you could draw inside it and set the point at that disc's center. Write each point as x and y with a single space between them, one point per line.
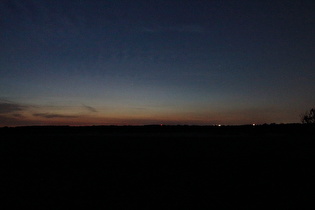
186 167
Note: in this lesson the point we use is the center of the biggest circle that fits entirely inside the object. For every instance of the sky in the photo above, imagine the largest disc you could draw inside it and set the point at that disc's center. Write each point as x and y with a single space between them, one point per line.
122 62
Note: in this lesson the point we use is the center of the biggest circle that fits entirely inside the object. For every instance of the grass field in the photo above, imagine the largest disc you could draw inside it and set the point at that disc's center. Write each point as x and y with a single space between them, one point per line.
184 167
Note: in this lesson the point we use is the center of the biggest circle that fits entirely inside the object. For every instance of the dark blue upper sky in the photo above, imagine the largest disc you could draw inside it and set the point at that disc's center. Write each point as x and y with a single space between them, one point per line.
140 62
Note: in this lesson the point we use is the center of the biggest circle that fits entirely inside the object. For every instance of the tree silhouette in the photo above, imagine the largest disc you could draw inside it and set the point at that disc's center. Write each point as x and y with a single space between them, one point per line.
309 117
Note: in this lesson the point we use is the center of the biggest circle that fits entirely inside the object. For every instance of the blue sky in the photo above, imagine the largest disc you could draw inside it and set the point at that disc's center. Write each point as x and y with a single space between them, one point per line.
143 62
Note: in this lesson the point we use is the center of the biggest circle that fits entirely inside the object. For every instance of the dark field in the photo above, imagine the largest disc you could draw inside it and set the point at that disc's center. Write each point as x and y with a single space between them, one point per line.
180 167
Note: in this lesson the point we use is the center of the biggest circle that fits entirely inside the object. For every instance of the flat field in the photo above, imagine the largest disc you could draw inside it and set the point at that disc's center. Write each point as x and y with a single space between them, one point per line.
186 167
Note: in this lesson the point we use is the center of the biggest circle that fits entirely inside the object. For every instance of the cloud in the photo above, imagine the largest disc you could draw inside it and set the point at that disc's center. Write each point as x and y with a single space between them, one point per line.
89 108
9 107
179 29
13 121
17 115
50 116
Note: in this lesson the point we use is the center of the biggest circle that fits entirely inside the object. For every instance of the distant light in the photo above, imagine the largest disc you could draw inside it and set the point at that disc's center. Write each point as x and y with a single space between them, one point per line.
254 124
161 124
219 125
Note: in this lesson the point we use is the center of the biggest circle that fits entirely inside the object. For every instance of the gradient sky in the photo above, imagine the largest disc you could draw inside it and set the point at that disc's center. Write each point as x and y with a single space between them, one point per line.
89 62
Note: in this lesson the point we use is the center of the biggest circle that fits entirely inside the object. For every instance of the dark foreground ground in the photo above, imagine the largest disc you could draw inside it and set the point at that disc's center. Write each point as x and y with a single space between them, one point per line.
158 167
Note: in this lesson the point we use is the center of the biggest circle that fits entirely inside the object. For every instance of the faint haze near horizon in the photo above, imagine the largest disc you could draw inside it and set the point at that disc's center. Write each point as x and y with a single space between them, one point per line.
139 62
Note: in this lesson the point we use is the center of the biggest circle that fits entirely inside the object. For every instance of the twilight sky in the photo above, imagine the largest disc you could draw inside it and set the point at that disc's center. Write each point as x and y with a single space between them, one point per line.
93 62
